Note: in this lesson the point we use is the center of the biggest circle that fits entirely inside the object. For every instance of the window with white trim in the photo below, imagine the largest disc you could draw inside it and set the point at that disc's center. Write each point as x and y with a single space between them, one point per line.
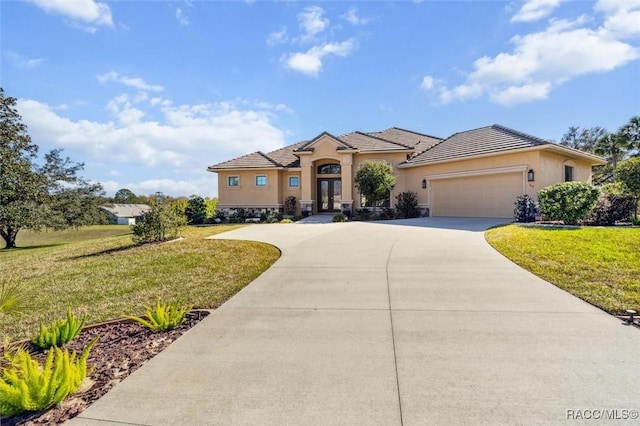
261 180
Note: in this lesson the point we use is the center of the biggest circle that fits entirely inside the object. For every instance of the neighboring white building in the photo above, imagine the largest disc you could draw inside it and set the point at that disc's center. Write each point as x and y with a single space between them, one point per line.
125 214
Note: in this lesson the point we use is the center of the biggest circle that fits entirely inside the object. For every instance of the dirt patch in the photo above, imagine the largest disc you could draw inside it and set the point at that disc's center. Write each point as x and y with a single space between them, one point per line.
122 348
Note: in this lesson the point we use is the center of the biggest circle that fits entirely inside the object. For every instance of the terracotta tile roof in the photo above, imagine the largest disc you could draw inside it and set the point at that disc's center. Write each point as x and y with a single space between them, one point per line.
418 141
486 140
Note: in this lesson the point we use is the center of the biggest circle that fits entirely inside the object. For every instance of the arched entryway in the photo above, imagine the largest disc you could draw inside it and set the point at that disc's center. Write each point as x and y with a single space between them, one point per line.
329 188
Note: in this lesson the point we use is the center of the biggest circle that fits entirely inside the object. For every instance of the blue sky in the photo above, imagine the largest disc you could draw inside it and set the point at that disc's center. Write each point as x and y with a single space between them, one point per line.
149 93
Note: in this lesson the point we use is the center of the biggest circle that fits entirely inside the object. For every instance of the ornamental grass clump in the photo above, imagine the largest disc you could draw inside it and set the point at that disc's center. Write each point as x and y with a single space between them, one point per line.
163 317
58 333
25 385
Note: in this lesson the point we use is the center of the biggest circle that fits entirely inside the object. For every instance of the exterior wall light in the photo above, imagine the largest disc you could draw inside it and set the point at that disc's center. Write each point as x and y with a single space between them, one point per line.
531 175
424 183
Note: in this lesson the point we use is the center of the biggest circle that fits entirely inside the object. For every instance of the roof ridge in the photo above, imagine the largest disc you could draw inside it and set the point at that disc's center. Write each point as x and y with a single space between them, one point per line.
325 133
415 133
382 139
536 139
270 159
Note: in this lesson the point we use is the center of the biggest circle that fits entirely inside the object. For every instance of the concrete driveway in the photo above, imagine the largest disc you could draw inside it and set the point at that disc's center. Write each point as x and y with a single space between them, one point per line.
415 322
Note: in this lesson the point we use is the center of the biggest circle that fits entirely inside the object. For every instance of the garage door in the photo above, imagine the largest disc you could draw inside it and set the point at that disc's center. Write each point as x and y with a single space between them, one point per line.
476 196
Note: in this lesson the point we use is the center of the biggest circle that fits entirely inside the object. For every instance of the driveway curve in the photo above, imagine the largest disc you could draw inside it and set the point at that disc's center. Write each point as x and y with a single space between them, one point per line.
412 322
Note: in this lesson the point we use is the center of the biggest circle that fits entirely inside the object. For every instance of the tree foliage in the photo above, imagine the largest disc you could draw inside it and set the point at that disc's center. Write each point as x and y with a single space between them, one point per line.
407 205
569 202
125 196
34 196
628 173
158 224
614 147
196 211
375 180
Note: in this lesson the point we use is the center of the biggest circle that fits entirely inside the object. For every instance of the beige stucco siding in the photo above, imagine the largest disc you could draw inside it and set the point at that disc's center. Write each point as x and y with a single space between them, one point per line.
551 169
476 196
247 193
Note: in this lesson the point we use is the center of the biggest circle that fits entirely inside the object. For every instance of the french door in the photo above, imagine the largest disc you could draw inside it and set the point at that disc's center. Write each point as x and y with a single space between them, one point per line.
329 195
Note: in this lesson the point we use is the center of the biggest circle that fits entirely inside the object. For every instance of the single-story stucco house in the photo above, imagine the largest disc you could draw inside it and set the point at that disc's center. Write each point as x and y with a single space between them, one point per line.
475 173
125 214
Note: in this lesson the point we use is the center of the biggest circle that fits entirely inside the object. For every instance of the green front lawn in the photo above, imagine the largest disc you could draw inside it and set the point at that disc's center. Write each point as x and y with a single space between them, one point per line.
598 265
108 277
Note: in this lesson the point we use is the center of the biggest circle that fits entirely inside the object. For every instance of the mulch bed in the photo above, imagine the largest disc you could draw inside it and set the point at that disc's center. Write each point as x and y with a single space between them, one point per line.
123 346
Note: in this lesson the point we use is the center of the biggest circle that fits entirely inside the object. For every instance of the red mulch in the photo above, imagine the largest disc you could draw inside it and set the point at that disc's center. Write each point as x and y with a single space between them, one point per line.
122 348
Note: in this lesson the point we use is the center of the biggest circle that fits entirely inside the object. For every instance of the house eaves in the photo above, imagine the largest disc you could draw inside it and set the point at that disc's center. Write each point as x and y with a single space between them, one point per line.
595 160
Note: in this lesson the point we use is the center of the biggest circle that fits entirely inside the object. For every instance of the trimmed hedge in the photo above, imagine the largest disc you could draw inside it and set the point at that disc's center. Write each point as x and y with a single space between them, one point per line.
568 202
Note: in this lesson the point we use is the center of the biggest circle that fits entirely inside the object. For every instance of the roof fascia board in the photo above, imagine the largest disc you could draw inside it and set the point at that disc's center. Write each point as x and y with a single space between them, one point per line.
232 169
594 159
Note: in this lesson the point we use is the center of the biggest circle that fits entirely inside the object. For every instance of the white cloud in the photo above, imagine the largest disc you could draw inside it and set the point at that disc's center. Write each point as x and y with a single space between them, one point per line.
86 14
134 82
310 62
277 37
185 137
543 60
427 83
312 22
22 62
623 17
533 10
182 18
353 18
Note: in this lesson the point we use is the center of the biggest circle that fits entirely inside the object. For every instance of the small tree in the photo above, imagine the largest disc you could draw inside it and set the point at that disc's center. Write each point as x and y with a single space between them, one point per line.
196 211
160 223
407 205
567 201
628 172
375 180
290 204
125 196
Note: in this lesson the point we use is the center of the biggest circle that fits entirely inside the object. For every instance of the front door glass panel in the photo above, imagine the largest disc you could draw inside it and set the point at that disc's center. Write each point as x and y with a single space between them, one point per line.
329 195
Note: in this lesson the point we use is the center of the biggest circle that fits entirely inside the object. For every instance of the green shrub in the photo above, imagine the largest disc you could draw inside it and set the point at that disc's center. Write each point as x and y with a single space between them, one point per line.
25 385
290 205
617 188
407 205
363 214
159 224
163 317
613 208
567 201
340 218
58 333
286 221
525 210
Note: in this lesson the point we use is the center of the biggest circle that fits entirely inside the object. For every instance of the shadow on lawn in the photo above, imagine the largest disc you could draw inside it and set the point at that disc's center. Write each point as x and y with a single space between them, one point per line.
103 252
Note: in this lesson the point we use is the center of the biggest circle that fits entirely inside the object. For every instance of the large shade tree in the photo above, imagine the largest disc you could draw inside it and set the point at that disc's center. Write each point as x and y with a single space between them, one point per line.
34 196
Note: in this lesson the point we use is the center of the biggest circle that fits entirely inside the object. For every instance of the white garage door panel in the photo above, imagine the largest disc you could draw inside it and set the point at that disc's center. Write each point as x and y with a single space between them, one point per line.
476 196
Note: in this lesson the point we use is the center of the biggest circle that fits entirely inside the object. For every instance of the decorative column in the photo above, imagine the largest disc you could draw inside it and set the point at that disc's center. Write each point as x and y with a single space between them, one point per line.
346 166
306 182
